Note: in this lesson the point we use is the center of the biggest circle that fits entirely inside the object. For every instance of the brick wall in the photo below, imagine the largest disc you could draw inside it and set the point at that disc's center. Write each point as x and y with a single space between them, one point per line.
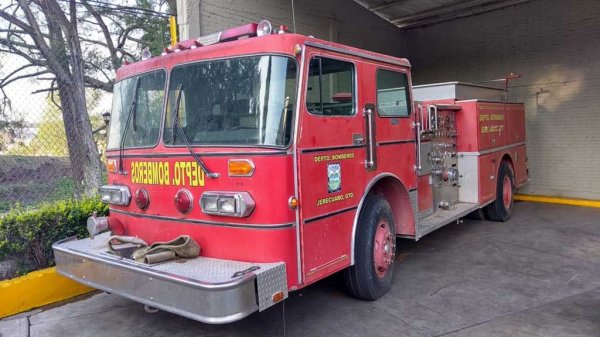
555 45
335 20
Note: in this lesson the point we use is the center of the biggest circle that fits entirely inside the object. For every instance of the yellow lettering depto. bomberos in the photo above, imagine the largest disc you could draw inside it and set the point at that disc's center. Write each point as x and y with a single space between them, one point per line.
179 173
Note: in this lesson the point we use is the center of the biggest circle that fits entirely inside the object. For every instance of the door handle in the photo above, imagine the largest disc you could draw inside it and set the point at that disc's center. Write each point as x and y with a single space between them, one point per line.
358 139
368 113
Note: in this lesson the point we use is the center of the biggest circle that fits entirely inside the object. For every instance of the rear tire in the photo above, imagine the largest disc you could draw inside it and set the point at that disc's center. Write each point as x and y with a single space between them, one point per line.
502 208
375 248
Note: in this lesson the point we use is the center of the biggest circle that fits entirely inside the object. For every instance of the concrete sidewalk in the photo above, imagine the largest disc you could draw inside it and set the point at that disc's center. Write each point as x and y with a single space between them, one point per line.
537 275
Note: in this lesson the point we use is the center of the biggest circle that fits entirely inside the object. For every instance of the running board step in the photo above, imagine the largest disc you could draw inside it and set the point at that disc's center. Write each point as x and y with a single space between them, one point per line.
443 217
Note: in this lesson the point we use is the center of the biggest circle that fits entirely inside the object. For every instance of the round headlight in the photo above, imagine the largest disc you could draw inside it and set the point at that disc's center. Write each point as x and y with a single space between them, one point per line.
264 28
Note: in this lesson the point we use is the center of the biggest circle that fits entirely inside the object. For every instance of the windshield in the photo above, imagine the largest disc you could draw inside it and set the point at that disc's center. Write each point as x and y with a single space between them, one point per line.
144 125
239 101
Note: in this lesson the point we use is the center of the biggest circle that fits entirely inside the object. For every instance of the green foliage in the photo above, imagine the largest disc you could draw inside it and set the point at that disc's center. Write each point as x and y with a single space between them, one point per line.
27 235
62 187
155 30
4 206
30 180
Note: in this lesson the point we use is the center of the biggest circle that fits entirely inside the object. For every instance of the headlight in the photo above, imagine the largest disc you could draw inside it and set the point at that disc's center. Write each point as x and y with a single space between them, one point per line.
238 204
115 194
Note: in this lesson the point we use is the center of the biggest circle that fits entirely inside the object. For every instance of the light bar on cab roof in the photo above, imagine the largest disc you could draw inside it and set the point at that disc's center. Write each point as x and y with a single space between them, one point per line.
249 30
237 32
262 28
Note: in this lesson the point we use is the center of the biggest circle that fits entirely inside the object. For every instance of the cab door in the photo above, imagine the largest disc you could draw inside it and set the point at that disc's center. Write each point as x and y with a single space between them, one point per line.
391 145
331 161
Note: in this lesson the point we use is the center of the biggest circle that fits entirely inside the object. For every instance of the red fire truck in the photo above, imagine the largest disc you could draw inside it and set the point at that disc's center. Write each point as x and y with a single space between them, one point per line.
287 158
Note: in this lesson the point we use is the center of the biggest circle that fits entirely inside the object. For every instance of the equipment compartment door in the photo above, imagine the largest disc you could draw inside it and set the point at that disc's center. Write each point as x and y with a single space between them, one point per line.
331 161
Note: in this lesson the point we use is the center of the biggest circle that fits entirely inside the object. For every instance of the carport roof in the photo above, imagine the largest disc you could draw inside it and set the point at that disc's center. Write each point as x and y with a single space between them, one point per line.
414 13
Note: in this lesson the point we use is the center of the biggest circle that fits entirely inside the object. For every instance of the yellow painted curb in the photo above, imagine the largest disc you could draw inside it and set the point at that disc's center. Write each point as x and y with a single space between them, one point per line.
557 200
36 289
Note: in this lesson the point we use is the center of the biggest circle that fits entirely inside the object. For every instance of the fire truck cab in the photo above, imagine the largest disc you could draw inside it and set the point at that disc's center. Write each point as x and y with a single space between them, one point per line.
287 158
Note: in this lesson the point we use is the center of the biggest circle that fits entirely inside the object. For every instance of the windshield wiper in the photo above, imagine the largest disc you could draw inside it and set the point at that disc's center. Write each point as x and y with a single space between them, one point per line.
130 116
175 118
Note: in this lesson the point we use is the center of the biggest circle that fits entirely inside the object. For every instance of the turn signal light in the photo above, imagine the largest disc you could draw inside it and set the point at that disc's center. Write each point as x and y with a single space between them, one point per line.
241 168
111 166
184 201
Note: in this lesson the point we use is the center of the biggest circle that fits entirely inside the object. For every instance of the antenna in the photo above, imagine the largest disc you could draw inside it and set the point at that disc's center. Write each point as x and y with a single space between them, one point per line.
293 18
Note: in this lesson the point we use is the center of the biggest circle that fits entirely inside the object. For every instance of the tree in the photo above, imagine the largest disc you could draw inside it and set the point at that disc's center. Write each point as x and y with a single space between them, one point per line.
156 34
72 43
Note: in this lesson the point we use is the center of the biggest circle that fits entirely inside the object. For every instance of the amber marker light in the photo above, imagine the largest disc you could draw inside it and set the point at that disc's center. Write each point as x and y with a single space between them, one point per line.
297 50
293 202
111 166
240 168
277 297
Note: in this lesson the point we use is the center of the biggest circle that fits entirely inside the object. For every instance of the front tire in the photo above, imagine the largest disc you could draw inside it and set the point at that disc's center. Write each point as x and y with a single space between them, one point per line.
375 248
502 208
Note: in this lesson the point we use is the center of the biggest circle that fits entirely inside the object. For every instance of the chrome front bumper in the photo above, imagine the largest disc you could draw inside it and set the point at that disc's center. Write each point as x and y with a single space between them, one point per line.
204 289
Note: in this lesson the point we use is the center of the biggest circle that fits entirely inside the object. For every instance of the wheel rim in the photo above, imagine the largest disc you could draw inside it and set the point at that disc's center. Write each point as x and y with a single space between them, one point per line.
507 192
383 249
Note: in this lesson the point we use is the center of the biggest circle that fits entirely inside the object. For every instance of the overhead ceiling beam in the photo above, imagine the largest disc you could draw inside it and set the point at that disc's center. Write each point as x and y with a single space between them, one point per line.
452 12
378 13
463 5
385 5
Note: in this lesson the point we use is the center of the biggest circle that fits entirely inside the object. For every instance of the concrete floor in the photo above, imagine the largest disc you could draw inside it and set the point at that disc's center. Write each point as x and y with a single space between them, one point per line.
536 275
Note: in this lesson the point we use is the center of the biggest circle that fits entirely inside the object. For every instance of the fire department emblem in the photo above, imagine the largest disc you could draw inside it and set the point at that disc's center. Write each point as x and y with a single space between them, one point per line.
334 177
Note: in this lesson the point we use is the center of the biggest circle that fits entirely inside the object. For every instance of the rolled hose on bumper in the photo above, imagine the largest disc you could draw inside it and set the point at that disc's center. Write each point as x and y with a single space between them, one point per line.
204 289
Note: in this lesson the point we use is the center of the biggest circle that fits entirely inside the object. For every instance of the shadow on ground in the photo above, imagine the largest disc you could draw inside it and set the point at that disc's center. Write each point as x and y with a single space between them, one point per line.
536 275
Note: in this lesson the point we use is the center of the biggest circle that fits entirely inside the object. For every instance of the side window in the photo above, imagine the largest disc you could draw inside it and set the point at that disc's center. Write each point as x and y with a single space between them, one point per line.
330 87
393 98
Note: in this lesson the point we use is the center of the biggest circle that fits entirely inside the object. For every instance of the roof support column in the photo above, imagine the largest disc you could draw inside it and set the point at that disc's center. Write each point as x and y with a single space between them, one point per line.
188 19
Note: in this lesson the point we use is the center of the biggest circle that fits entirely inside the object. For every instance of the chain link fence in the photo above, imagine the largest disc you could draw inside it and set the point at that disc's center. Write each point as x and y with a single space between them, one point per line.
34 151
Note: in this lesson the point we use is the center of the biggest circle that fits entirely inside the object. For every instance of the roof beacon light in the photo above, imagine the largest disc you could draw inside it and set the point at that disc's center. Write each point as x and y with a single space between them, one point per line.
264 28
283 29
